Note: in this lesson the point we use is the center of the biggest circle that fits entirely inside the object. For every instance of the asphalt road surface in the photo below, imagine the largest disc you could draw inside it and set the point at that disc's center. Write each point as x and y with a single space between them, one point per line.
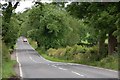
32 65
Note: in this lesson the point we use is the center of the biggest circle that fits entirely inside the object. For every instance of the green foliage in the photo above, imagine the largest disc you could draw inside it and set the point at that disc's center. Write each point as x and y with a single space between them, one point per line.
53 27
93 53
7 64
51 58
0 55
10 24
89 56
33 43
117 32
7 69
5 51
23 19
100 17
0 25
12 33
110 62
79 10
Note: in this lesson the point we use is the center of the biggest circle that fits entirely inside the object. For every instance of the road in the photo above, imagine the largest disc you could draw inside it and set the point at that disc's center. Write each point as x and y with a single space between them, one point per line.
32 65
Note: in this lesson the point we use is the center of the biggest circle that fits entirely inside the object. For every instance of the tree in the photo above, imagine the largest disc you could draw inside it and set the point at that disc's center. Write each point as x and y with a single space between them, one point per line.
7 26
12 33
53 27
100 16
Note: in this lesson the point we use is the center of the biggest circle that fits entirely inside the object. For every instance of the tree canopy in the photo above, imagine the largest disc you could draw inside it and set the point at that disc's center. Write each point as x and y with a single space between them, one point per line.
52 27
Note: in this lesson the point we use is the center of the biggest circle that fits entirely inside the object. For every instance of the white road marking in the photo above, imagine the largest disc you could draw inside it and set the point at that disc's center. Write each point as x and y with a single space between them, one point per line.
33 60
46 59
54 66
41 56
77 73
62 68
92 67
21 74
76 64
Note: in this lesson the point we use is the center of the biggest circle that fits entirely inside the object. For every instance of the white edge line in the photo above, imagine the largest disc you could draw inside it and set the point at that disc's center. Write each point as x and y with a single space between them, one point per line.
92 66
76 64
20 69
40 55
77 73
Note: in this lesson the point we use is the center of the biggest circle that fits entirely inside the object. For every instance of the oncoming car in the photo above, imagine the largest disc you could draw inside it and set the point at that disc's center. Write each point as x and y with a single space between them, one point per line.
24 40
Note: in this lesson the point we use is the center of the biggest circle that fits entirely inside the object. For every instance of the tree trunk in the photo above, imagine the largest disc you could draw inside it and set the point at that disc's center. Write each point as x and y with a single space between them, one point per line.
112 43
101 44
38 44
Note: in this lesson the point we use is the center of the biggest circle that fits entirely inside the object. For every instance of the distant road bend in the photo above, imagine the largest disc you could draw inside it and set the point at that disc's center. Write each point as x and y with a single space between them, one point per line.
32 65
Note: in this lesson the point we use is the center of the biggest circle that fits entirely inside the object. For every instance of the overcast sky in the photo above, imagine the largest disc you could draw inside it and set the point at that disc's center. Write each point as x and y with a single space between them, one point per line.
28 3
25 4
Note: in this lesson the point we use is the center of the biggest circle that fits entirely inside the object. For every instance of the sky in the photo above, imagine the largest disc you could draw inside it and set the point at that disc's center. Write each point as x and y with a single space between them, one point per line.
28 4
25 4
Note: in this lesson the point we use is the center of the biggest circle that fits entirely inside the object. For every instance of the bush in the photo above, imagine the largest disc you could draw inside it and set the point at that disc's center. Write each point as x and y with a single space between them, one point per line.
93 54
5 53
51 52
33 43
81 49
90 54
110 62
84 55
7 66
60 52
79 53
7 69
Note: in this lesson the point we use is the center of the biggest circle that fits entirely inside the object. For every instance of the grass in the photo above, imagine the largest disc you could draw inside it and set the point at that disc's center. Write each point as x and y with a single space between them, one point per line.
0 57
33 43
7 64
52 58
7 69
109 62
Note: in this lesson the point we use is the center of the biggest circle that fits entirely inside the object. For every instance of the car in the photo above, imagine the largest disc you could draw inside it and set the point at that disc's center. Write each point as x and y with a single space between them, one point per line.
24 40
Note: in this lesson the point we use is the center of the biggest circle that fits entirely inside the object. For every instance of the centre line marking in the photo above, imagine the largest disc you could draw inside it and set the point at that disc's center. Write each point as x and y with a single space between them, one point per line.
77 73
62 68
33 60
54 66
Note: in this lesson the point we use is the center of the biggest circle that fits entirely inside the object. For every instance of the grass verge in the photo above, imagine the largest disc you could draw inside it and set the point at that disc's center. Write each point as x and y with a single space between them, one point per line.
104 63
51 58
8 69
32 43
109 62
